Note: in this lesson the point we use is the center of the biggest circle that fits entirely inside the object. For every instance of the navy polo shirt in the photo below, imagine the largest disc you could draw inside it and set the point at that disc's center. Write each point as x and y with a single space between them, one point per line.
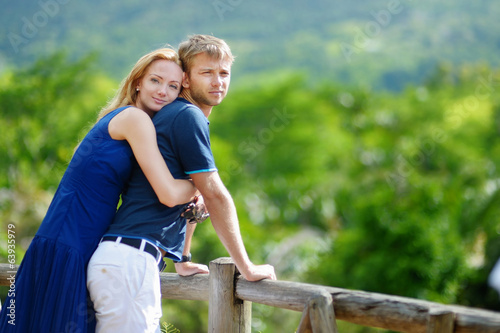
184 141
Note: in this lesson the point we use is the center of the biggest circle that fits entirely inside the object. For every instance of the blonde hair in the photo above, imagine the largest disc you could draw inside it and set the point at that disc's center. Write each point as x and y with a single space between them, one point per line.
127 93
196 44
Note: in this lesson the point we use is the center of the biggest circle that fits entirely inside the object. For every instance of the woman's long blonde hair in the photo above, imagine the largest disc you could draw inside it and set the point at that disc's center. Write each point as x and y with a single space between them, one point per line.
127 93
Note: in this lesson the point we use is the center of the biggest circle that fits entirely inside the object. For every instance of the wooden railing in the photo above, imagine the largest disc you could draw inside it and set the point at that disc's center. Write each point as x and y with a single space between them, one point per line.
230 298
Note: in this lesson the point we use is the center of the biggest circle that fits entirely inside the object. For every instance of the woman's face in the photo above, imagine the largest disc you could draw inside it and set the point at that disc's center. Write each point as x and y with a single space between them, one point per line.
160 85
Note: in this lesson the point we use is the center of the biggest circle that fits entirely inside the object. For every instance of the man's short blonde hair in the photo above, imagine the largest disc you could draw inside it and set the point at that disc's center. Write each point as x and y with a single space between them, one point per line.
196 44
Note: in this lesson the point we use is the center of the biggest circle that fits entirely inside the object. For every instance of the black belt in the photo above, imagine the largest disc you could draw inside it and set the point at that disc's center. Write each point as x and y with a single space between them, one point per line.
136 243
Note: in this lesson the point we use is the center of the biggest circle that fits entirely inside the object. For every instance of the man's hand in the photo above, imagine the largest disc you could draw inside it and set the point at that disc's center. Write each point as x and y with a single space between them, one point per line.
195 211
259 272
190 268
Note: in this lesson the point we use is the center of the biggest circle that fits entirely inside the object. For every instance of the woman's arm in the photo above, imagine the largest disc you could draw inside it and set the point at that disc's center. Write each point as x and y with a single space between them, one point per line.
135 126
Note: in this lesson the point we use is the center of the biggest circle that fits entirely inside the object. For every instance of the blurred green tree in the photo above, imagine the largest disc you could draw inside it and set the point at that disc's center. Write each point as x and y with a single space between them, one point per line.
396 193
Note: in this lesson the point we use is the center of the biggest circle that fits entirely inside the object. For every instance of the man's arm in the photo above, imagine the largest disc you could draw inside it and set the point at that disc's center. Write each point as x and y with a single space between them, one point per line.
189 268
223 215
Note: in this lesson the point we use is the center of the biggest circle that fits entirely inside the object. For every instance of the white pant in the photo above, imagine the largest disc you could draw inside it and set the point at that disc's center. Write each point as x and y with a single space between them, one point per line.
124 285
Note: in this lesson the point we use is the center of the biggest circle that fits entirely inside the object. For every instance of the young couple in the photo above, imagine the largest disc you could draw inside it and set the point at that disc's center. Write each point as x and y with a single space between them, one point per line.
122 155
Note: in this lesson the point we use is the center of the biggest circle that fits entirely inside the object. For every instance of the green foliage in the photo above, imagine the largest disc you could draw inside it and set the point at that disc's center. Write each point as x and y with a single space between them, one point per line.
371 43
425 173
169 328
396 193
404 187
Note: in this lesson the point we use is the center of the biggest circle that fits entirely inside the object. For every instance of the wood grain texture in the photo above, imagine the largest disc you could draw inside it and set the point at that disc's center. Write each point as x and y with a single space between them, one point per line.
369 309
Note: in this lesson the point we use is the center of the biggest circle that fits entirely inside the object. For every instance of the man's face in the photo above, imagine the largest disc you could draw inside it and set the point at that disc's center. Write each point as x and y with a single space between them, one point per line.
208 81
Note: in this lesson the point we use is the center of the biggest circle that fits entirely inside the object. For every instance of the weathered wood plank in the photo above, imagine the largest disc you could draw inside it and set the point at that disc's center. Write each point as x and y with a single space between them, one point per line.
174 286
226 312
363 308
440 321
471 320
318 316
305 322
368 309
383 311
281 294
322 314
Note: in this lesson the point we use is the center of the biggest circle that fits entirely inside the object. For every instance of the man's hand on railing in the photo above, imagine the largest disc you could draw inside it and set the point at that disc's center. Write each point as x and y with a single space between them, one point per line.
190 268
259 272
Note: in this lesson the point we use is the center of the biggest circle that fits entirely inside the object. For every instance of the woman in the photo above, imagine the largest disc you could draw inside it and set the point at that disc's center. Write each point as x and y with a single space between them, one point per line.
50 287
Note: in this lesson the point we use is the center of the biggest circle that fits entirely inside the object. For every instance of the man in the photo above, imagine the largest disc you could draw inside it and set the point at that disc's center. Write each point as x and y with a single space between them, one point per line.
123 281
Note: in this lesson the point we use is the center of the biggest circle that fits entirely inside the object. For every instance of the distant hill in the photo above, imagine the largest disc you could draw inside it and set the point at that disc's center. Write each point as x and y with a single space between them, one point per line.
380 44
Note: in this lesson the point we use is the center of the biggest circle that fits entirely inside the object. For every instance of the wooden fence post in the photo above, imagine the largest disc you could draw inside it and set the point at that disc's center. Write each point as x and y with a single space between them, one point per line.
318 315
226 313
440 321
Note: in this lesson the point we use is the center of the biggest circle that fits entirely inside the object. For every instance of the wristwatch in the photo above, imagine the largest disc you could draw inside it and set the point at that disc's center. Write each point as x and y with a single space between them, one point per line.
184 259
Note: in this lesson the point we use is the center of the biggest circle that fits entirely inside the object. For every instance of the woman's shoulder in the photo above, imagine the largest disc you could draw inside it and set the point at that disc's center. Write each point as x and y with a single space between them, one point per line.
133 114
105 119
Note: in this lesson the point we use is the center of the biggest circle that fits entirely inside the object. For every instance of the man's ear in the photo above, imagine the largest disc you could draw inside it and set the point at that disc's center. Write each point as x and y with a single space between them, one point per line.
185 81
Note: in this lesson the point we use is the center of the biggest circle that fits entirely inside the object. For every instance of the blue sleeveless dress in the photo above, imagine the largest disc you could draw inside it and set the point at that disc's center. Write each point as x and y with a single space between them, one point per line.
50 287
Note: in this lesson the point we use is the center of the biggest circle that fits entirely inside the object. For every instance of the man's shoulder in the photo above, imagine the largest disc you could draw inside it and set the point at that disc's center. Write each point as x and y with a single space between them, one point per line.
176 108
180 104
